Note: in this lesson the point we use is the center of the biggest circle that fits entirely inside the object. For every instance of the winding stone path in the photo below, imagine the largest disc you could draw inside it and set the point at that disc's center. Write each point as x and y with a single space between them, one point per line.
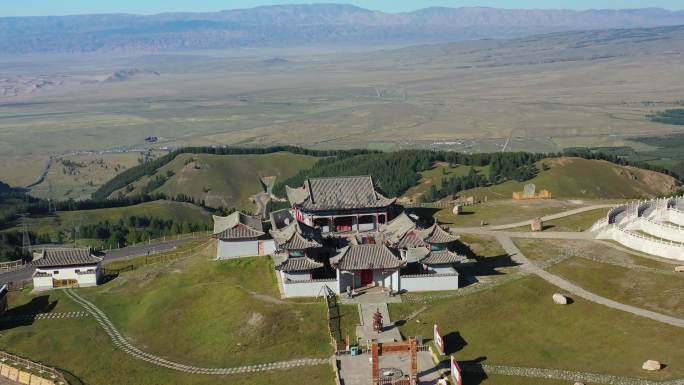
565 375
43 316
123 344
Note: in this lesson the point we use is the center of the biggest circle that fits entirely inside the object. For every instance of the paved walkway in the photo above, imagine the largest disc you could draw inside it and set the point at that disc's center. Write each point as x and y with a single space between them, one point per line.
508 245
123 344
364 332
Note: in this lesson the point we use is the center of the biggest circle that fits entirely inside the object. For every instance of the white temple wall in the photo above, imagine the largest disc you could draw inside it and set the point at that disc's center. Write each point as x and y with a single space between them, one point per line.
309 288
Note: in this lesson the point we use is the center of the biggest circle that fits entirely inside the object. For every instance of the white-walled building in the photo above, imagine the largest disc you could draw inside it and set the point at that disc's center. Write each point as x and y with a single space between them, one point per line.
62 267
395 255
241 235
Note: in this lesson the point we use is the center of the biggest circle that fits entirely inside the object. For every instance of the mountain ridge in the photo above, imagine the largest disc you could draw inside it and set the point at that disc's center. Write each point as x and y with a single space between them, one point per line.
300 25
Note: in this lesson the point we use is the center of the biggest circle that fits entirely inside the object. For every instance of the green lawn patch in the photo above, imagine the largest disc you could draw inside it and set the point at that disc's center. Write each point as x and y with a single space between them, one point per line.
194 311
211 313
517 324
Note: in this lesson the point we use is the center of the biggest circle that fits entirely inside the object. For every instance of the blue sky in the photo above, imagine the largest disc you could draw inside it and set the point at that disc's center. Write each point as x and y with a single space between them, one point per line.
67 7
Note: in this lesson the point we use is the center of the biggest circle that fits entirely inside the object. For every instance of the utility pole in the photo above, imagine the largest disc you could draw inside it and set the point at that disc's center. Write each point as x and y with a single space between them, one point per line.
26 239
51 206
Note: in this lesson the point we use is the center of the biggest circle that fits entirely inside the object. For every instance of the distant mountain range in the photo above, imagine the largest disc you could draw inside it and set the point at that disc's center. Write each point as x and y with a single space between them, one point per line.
297 25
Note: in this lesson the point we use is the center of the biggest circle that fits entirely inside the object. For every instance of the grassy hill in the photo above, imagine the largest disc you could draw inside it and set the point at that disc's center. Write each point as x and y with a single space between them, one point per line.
435 176
64 221
220 180
586 179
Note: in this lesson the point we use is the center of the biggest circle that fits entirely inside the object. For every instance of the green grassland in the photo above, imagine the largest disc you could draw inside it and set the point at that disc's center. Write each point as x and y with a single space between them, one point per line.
65 221
518 324
195 311
585 179
212 313
222 180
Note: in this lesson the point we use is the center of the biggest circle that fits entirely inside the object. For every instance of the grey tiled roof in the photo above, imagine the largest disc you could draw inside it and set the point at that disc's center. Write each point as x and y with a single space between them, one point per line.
362 257
395 229
281 218
65 257
427 257
436 235
237 226
297 236
349 192
299 264
442 257
409 240
403 233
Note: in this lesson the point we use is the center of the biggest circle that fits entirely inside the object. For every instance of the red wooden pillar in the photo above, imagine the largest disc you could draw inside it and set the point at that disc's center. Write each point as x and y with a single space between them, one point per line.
375 351
414 360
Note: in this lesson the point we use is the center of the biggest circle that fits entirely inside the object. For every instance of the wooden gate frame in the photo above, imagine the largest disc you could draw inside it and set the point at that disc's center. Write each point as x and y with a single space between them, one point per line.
410 347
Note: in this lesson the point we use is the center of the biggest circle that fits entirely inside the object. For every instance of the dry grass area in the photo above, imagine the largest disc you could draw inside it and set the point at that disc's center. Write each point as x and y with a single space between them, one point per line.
388 100
662 293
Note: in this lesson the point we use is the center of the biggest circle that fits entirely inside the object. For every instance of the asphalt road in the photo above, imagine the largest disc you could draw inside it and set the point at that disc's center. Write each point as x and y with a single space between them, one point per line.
113 255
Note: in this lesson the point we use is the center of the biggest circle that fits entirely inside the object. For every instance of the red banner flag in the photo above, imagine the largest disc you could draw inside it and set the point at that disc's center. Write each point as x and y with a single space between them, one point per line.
439 340
456 372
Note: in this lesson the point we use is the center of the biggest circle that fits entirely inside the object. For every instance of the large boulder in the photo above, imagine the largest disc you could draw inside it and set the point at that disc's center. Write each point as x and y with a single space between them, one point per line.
679 269
652 365
560 299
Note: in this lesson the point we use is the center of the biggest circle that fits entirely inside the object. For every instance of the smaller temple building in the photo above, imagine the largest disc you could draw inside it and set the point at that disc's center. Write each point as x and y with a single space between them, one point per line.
241 235
66 268
367 265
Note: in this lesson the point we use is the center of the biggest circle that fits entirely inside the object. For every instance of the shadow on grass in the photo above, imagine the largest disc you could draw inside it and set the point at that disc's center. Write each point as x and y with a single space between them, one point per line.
24 315
454 342
472 371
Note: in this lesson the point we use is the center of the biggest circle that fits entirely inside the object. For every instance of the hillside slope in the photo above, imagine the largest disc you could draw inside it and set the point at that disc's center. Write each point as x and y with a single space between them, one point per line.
587 179
220 180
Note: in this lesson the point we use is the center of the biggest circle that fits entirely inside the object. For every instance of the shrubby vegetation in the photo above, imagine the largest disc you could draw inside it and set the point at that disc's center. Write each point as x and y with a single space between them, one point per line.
135 229
673 116
396 172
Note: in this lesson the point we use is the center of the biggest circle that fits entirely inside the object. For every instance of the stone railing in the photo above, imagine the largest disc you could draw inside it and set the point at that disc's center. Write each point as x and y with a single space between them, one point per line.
322 280
26 371
430 275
